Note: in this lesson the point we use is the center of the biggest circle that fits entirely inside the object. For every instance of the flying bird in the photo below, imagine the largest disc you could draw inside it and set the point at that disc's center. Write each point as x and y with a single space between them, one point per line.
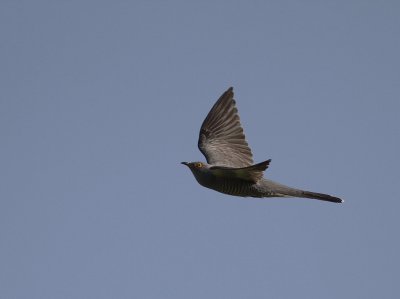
230 168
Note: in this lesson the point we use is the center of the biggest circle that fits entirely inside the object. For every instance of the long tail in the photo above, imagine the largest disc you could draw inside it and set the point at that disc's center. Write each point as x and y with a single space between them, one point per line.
279 190
321 196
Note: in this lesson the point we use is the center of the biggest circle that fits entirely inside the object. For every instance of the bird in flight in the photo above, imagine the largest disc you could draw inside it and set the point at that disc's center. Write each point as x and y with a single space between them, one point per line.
230 168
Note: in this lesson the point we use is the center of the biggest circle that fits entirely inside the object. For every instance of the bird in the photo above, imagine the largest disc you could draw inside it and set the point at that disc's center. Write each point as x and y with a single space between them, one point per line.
230 168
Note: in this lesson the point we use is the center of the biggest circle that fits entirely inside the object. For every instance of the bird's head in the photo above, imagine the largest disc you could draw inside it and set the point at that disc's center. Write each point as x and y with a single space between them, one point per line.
196 167
200 171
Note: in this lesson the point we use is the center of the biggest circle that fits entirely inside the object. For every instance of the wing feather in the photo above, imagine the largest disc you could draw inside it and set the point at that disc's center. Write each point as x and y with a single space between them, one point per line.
221 138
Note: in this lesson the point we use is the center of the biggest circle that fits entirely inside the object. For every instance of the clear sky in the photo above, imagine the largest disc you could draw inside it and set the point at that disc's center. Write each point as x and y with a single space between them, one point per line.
101 100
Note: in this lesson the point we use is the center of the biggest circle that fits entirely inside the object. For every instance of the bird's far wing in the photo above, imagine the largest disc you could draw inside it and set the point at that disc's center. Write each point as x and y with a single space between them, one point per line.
221 138
250 173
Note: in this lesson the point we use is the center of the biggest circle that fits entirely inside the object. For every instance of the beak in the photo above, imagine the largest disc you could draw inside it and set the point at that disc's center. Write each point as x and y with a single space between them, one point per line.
185 163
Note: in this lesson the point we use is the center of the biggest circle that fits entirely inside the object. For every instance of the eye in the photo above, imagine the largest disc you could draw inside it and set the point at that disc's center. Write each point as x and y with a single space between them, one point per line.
198 165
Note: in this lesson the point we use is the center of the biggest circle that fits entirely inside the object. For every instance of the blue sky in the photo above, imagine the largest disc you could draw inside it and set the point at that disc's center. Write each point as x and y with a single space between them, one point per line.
100 101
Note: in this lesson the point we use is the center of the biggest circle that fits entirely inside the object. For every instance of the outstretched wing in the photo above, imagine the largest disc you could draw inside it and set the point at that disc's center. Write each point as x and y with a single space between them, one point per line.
221 138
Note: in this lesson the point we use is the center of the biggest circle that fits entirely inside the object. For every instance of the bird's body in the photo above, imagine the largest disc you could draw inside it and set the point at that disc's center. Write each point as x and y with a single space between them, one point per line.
230 168
220 182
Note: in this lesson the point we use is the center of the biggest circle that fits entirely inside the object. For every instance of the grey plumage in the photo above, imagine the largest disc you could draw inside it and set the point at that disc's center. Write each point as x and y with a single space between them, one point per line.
229 168
221 137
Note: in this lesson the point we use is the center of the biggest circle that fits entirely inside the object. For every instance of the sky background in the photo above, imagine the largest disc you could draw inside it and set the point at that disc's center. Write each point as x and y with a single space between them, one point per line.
101 100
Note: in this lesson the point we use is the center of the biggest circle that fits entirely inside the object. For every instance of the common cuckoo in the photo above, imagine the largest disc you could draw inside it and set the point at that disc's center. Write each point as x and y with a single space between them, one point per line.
229 168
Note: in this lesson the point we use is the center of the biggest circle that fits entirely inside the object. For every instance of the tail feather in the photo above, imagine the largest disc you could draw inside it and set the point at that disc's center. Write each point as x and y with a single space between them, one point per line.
274 189
321 196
